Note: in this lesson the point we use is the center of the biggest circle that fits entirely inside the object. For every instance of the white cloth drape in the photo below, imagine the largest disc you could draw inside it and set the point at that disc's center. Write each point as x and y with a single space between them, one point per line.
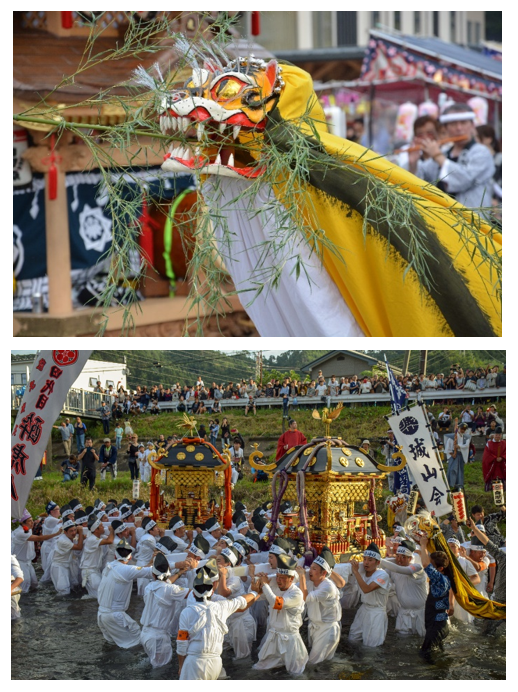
295 307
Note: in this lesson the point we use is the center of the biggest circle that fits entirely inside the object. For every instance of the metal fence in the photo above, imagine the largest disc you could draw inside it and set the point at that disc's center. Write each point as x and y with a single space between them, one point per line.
81 402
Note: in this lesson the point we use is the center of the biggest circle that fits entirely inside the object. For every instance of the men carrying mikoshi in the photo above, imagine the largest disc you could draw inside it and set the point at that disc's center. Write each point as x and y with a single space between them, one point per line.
370 624
92 557
178 532
323 607
114 595
22 546
61 569
283 645
241 626
160 597
202 629
16 590
146 548
411 588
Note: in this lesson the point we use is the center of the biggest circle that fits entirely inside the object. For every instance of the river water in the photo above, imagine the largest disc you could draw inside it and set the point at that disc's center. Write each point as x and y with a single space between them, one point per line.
57 638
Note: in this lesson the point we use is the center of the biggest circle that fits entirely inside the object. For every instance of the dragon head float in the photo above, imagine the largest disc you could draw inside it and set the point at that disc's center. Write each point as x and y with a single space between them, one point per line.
257 129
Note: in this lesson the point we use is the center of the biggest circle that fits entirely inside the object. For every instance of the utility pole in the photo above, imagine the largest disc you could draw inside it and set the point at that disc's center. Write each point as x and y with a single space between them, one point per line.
422 362
406 362
259 367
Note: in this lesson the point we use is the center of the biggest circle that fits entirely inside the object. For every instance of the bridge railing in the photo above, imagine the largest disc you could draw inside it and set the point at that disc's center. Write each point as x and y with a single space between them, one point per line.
81 402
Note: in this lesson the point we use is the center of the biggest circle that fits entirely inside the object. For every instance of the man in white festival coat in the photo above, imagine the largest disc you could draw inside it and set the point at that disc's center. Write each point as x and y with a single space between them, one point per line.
370 624
323 608
283 645
202 628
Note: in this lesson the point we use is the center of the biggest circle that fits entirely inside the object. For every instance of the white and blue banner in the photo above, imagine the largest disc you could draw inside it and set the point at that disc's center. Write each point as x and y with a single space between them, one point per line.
52 375
418 445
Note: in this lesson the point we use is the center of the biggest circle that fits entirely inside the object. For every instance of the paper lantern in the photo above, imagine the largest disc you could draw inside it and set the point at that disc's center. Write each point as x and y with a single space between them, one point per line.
406 114
480 106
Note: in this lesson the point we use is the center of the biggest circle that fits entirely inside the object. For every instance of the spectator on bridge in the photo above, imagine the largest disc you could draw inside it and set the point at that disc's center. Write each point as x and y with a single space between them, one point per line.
491 377
108 459
285 394
366 386
70 468
104 410
321 388
354 385
98 388
500 379
80 430
334 386
250 406
216 407
67 432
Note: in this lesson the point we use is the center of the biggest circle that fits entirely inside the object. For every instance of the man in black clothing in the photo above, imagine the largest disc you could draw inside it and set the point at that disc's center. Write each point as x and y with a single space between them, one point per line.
88 457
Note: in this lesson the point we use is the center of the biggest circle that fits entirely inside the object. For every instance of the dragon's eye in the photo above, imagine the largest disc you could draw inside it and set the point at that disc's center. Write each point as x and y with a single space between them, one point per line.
227 89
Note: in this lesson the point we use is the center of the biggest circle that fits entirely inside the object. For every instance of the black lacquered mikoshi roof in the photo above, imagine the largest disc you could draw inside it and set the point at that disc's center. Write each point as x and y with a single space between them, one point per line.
346 460
192 452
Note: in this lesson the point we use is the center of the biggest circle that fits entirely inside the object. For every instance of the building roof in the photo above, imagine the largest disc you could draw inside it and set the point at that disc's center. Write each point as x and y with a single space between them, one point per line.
449 52
331 354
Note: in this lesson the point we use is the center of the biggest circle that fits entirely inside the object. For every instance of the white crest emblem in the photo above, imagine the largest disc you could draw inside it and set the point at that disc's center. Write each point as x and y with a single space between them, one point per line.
94 228
18 250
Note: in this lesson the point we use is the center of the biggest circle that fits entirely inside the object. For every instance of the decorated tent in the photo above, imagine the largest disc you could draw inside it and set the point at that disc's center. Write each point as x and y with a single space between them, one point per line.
403 68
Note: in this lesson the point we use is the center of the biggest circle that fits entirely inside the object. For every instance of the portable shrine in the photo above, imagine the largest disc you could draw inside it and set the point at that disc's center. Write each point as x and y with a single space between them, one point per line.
201 478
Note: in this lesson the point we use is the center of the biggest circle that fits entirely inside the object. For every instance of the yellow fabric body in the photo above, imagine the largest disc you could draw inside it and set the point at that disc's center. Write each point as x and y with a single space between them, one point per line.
466 594
390 518
369 273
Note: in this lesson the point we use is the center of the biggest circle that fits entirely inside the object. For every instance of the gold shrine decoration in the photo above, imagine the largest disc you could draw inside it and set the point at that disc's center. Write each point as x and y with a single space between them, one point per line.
254 463
328 415
398 455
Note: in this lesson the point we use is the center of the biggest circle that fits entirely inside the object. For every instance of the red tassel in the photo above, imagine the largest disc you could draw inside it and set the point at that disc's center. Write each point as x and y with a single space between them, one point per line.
67 20
256 25
53 181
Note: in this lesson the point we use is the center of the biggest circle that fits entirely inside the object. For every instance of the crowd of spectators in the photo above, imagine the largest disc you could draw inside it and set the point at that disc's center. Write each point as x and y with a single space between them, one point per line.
203 398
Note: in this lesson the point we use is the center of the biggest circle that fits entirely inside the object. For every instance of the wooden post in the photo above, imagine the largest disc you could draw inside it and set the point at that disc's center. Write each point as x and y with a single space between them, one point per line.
58 248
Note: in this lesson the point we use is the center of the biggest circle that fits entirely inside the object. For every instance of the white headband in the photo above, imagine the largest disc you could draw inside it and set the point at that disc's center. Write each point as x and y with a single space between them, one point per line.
228 553
205 595
372 553
197 552
404 551
289 572
455 541
214 528
325 566
68 524
276 550
477 547
454 117
177 526
242 525
95 525
150 526
120 529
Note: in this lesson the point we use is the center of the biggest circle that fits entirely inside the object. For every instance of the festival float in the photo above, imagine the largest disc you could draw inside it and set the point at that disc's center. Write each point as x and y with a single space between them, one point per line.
332 487
201 477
